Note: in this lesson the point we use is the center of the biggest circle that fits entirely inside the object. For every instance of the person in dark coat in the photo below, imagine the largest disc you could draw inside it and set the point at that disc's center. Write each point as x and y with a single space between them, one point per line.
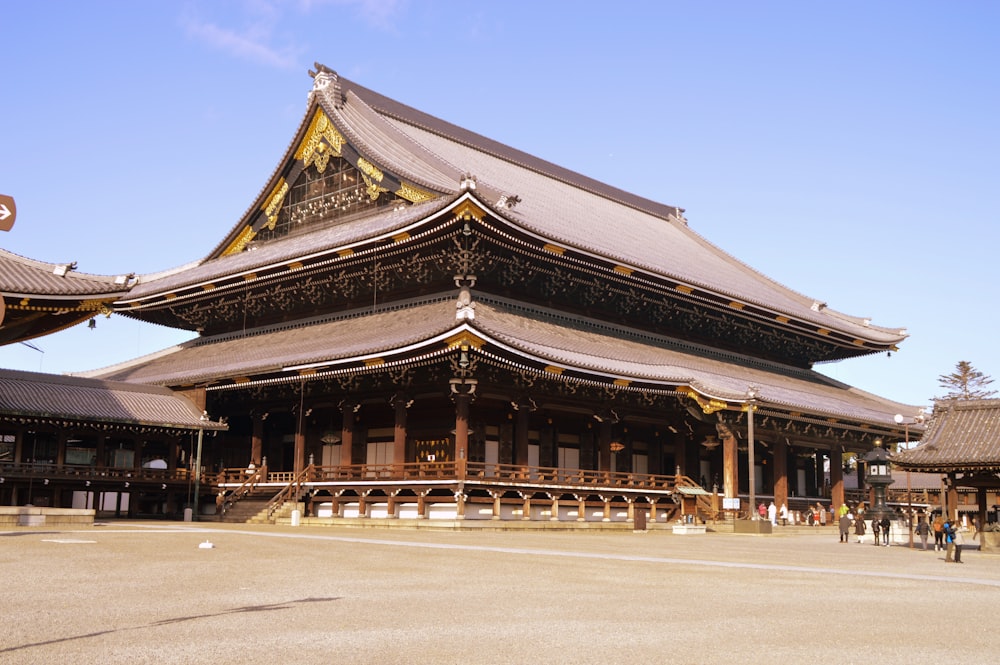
875 527
845 527
859 526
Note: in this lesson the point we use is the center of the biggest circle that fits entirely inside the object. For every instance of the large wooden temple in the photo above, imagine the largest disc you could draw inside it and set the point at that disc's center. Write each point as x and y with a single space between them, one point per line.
414 321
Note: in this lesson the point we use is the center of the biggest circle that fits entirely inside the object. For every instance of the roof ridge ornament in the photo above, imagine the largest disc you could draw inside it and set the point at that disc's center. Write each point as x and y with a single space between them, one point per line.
467 183
323 79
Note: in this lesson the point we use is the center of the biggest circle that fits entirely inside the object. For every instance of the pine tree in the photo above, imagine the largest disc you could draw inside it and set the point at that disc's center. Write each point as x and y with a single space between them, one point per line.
966 382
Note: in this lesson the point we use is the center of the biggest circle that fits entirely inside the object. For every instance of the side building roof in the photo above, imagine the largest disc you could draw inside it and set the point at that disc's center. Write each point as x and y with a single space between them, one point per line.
962 435
39 298
37 397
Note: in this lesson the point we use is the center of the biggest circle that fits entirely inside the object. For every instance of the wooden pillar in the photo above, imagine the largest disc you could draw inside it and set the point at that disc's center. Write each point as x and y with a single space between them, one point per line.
607 509
460 504
347 410
521 433
390 504
421 505
730 479
631 509
781 473
952 497
581 509
652 509
461 432
496 505
526 507
554 517
257 440
399 432
837 477
362 504
604 445
681 455
335 505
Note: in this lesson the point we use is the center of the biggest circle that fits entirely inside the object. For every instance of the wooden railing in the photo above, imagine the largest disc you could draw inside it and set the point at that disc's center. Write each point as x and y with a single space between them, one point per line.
292 491
77 471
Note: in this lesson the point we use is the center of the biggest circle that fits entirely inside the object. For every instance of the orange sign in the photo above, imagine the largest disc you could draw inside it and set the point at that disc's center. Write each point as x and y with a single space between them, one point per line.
8 212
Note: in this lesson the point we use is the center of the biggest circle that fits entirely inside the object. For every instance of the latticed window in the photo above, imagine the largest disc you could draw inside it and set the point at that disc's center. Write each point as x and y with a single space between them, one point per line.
316 198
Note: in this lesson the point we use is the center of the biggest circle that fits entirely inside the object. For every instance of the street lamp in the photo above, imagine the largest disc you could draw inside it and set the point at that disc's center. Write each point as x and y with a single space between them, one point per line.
879 478
752 484
909 495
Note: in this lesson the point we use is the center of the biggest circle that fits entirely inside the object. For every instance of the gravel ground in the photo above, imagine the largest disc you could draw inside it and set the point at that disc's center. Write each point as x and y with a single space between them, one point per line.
150 592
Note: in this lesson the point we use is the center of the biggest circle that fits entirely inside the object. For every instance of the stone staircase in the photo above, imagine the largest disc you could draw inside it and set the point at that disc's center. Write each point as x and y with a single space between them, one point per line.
252 508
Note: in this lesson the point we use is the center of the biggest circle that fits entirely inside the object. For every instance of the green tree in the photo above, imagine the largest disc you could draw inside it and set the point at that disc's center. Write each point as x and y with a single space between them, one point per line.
966 382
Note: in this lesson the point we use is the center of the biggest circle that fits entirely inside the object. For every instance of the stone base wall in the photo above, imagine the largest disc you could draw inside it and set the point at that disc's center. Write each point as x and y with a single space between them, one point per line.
11 516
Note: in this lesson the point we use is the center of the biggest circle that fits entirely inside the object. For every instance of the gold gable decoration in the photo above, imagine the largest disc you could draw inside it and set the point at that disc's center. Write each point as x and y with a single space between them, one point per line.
708 406
322 141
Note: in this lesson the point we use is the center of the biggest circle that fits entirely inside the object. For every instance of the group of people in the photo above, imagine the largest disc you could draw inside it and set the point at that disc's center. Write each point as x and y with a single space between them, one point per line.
947 537
848 521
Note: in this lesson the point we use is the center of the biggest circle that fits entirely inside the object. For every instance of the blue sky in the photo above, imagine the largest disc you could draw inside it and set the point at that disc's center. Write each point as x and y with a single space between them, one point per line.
848 150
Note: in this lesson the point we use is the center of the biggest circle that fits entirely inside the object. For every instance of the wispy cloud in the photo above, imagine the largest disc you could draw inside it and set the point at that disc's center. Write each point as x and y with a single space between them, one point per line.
250 32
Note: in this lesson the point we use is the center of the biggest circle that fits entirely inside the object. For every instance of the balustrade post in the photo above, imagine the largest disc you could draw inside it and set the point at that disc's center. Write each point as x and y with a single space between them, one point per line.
581 509
554 517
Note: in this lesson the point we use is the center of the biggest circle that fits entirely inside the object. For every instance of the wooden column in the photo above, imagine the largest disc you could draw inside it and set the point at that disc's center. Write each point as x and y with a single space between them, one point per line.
347 410
257 440
521 426
604 445
554 517
496 505
680 455
401 404
526 507
837 477
461 432
581 508
730 478
781 473
952 497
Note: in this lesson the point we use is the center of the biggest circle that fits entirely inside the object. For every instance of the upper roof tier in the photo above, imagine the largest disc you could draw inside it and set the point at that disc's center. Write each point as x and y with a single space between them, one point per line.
424 165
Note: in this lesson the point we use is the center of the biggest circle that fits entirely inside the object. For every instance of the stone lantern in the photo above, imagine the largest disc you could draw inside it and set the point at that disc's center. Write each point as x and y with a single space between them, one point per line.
879 478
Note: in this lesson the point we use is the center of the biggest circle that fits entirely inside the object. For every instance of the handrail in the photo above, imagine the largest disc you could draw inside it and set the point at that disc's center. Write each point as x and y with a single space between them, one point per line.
88 472
292 491
245 488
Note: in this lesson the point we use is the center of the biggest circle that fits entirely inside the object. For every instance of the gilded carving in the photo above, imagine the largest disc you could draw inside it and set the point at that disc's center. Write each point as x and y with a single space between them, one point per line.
412 193
241 241
313 149
370 169
273 204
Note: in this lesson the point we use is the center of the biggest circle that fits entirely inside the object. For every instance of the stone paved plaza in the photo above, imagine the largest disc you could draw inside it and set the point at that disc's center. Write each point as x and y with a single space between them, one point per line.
154 592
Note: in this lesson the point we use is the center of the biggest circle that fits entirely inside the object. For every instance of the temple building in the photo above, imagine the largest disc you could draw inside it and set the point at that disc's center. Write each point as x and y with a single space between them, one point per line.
414 321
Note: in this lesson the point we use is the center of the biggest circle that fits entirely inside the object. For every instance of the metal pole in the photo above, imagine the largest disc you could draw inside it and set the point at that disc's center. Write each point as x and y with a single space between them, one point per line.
909 494
197 473
750 459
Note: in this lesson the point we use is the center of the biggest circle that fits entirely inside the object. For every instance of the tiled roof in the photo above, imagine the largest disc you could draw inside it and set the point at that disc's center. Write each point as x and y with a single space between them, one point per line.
283 250
961 435
591 347
30 394
555 203
24 277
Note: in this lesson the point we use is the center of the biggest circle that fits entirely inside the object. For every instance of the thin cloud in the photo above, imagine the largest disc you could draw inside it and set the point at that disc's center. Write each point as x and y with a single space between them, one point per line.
252 43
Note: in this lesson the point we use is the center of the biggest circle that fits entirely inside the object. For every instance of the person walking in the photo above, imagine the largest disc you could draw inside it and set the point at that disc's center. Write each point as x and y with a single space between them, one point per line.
923 530
938 528
875 526
772 514
884 526
859 526
845 527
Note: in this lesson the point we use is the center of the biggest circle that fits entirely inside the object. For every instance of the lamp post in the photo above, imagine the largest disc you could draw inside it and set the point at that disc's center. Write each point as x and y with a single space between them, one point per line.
752 480
197 465
879 478
909 496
